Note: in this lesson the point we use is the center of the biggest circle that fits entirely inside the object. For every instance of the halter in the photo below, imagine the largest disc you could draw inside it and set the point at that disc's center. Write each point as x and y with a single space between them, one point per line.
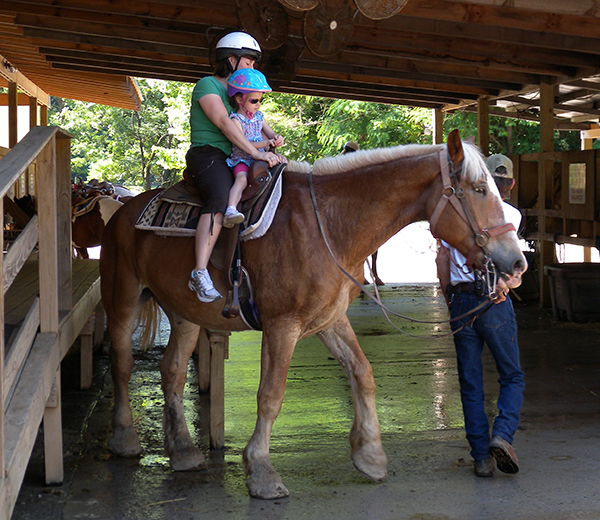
456 197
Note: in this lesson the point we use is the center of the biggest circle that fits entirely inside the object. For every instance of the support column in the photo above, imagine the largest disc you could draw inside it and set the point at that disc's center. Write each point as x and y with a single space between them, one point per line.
545 169
483 125
53 455
587 143
438 126
219 352
13 108
33 112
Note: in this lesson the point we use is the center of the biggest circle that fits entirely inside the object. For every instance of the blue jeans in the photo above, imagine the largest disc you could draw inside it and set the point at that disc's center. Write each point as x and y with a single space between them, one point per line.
497 327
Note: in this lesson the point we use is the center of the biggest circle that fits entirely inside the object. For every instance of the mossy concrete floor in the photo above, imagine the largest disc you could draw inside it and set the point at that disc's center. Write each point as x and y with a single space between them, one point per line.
430 470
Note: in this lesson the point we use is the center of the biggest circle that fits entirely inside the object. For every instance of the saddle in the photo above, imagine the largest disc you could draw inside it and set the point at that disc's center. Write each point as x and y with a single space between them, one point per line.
175 212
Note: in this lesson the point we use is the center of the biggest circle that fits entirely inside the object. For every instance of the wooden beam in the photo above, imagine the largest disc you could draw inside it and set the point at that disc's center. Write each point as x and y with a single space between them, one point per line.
11 74
22 99
579 8
592 133
505 16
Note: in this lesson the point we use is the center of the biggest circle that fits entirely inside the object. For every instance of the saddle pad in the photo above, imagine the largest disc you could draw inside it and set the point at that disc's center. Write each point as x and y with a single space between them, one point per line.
175 212
85 206
263 220
167 218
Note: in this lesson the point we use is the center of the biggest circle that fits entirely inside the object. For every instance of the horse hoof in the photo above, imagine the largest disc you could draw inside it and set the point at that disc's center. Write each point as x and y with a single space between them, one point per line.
266 490
371 465
125 443
187 460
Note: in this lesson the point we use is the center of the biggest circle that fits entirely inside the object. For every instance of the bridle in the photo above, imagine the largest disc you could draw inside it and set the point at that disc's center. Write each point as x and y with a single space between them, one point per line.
456 197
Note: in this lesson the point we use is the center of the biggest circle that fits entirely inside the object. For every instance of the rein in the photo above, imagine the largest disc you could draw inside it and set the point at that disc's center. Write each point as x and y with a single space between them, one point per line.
456 198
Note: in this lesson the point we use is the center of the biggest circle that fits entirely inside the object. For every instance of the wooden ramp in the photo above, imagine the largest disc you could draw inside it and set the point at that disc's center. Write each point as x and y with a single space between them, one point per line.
45 304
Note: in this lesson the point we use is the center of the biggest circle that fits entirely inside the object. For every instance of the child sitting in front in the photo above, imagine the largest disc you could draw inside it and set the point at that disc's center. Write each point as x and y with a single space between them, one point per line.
246 88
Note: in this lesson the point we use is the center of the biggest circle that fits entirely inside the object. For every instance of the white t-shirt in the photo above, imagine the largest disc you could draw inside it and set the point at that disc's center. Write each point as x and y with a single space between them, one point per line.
458 270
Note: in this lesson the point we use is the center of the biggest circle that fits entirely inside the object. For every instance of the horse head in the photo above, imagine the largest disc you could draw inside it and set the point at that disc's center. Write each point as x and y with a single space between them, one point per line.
476 225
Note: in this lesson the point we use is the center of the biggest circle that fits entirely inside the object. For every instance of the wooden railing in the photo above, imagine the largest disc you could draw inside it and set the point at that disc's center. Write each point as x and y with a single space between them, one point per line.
30 371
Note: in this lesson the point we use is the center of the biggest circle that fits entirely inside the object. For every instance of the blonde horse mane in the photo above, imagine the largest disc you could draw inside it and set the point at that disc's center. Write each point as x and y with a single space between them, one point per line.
474 163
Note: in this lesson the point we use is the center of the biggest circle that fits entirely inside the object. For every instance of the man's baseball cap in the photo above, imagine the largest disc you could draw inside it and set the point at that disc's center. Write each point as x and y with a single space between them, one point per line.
500 166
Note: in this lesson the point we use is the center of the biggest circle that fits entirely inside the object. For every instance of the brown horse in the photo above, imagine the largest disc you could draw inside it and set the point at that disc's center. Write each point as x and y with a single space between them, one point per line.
363 199
87 225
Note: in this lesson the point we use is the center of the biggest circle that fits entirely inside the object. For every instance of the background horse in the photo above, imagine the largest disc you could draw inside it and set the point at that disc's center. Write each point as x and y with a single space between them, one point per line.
89 218
362 200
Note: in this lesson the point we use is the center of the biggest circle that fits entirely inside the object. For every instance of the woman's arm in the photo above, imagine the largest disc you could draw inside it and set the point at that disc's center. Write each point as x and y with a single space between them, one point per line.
215 110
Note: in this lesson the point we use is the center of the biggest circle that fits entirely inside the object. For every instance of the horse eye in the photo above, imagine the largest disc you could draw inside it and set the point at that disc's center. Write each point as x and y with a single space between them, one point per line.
481 189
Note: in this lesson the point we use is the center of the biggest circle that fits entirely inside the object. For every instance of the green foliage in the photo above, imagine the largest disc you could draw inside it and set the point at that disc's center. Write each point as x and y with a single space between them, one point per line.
136 149
509 136
297 119
372 125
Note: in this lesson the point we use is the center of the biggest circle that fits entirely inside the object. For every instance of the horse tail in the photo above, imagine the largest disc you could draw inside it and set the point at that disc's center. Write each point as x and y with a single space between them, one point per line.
149 320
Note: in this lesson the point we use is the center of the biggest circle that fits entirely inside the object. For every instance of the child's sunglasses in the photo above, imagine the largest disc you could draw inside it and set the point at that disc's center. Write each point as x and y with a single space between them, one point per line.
254 101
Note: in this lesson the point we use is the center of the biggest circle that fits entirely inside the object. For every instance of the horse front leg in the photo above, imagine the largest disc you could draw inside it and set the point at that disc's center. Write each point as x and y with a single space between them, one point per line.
278 344
365 437
184 455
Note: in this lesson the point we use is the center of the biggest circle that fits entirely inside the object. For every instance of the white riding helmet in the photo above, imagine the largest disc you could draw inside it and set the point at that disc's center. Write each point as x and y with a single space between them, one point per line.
239 44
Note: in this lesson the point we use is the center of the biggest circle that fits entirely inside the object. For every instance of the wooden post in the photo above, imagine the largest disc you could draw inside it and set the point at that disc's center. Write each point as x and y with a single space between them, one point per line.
53 457
33 112
219 344
587 144
203 351
43 115
438 126
54 203
63 223
13 107
483 124
545 169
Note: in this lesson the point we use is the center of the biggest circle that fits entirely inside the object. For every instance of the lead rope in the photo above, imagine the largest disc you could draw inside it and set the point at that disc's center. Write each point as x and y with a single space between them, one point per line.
377 299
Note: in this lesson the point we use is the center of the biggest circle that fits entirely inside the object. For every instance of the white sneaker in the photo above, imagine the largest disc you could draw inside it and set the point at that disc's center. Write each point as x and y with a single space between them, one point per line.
202 285
232 217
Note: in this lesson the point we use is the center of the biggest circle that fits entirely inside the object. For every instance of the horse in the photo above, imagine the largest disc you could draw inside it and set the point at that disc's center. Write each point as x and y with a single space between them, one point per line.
89 218
328 219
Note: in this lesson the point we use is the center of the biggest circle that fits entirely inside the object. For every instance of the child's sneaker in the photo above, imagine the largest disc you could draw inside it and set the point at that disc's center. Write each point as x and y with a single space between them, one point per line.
232 217
202 285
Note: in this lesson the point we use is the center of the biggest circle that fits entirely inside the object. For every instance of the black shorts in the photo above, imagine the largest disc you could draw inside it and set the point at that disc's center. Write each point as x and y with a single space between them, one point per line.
211 175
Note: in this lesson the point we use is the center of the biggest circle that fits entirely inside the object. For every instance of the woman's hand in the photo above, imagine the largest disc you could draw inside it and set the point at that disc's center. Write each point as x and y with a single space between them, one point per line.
270 157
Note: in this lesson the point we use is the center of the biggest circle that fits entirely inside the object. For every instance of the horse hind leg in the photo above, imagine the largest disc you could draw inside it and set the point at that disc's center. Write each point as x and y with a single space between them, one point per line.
124 441
183 454
365 436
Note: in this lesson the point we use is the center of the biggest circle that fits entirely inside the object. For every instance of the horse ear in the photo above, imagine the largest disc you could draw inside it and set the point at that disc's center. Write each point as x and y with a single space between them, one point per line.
455 149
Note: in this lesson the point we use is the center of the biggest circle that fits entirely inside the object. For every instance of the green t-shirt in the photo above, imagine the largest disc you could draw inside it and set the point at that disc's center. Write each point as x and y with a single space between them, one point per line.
203 130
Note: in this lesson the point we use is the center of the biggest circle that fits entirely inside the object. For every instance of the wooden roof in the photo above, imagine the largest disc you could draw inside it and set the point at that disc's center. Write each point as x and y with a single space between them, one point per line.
432 53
